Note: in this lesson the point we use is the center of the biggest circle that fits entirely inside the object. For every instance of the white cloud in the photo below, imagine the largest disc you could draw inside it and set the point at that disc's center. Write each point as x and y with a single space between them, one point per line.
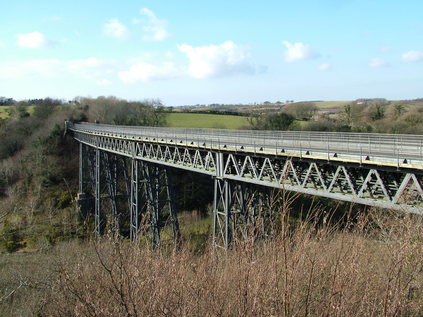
155 30
144 71
412 56
378 62
298 51
22 69
324 67
217 60
113 28
32 40
90 68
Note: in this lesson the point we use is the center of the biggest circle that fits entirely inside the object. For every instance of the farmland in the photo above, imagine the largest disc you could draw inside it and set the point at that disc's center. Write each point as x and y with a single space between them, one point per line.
4 112
200 120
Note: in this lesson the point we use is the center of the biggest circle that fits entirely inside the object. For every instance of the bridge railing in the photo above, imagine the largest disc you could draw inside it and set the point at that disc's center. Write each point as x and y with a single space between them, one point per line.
386 147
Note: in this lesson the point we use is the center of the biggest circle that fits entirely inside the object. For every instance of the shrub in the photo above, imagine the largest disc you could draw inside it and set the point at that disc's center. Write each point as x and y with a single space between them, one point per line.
371 268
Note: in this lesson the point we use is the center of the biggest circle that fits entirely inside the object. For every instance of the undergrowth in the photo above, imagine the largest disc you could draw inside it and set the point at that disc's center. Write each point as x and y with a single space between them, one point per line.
368 267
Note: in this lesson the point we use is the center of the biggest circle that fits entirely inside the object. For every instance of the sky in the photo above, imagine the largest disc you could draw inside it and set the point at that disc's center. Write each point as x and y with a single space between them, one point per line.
202 52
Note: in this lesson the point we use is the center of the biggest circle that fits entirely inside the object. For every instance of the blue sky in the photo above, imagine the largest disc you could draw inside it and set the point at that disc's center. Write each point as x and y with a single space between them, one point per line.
189 52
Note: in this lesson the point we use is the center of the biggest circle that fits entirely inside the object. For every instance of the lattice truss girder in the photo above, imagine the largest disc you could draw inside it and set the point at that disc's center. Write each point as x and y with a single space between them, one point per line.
371 186
175 155
397 189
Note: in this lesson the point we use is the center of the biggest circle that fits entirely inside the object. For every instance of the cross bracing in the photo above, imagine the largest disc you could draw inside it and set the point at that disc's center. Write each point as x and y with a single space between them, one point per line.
373 169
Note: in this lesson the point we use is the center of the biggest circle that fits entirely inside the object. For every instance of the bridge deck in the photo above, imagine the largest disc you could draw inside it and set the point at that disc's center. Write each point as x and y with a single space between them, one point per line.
391 150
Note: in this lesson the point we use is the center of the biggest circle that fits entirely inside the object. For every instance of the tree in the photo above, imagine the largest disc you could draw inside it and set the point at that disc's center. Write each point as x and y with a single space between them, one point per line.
272 121
399 110
45 107
6 101
351 114
112 110
302 110
377 112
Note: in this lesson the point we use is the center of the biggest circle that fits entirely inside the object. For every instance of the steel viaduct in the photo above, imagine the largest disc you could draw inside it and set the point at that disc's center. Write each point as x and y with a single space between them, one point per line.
129 168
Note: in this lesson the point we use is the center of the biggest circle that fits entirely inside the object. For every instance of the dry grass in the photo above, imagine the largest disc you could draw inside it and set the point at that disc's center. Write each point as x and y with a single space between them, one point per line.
371 269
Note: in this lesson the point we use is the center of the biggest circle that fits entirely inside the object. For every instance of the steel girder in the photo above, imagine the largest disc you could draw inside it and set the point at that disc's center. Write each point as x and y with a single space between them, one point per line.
240 200
380 186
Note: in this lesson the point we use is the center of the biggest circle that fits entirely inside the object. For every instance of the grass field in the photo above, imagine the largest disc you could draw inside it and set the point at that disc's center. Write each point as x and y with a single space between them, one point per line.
4 112
331 104
199 120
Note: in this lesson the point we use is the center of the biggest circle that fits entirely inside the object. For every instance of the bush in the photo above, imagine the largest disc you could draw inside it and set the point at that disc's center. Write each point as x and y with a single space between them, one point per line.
272 121
9 239
371 269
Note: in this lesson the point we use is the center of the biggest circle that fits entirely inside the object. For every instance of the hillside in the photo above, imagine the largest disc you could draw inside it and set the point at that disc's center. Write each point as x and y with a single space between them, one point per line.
327 257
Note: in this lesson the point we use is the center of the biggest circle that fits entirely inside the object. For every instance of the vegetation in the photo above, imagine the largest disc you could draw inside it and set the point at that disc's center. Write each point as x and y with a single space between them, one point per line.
272 121
38 181
320 265
367 115
202 120
371 266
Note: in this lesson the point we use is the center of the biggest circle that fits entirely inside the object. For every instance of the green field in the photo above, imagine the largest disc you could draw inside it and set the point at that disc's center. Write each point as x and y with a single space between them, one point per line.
331 104
199 120
4 112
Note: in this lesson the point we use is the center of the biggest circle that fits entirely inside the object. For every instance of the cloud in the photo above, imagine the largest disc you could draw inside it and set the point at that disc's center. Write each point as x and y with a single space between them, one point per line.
32 40
144 72
155 30
37 67
217 60
324 67
90 68
412 56
378 62
113 28
298 51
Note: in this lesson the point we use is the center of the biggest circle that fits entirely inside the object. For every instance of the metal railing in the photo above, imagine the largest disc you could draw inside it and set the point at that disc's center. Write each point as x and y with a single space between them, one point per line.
398 148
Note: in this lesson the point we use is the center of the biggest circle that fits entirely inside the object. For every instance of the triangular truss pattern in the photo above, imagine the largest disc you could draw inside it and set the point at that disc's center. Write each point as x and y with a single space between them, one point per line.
341 182
313 178
367 184
267 171
289 174
374 187
248 168
410 190
231 166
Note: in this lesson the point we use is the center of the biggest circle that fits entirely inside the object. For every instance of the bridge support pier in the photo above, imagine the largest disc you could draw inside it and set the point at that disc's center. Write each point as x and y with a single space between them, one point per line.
152 201
240 212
